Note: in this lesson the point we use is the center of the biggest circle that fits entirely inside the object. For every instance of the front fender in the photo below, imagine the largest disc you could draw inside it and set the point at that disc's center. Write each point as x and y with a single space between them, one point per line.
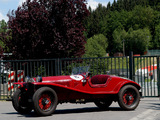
21 84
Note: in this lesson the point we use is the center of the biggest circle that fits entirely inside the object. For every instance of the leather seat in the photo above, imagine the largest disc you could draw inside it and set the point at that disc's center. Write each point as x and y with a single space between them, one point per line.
99 79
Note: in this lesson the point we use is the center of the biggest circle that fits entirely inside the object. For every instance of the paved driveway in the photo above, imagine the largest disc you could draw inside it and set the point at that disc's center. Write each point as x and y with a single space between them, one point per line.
148 109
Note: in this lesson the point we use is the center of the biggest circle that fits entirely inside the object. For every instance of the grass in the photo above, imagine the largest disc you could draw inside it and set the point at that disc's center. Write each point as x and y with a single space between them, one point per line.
141 62
101 65
4 97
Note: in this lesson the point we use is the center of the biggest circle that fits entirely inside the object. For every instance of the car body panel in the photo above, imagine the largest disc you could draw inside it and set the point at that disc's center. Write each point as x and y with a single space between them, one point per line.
75 83
44 93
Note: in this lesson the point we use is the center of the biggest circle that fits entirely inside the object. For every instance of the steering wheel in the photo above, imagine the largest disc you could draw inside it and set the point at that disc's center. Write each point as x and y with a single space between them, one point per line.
86 74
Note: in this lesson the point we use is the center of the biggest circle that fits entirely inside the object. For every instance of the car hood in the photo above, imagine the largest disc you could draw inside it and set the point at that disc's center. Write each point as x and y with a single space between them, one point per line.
62 78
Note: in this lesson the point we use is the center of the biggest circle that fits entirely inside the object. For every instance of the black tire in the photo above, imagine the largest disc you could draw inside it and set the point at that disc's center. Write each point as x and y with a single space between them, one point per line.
45 101
20 102
129 97
103 104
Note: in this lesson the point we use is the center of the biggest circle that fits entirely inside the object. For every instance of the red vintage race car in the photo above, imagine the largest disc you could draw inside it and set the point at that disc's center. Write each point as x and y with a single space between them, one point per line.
44 93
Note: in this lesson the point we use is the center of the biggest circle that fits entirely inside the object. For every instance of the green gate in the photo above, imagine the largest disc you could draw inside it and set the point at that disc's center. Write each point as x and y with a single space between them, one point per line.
142 69
146 73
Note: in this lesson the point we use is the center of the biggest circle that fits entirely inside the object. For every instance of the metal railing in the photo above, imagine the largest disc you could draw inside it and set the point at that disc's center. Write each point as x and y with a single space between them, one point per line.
129 67
145 73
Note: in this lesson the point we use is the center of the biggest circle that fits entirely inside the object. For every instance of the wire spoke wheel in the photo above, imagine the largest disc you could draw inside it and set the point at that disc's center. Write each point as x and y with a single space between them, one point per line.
129 97
45 101
20 102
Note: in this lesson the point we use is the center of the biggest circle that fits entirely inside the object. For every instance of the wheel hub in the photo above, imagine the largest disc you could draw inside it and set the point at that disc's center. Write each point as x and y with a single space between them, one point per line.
128 97
45 101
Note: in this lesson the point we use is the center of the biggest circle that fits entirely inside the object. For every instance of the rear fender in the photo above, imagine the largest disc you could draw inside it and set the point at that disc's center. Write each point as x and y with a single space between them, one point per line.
121 84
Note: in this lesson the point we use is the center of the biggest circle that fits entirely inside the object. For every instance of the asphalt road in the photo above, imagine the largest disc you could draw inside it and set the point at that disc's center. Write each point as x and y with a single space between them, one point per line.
148 109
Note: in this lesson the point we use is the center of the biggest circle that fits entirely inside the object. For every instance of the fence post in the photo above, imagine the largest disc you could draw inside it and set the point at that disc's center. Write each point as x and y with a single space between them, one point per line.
58 67
158 75
131 65
0 79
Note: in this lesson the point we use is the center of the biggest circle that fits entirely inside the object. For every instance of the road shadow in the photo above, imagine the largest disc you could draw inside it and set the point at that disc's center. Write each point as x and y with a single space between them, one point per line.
32 114
70 111
86 110
154 106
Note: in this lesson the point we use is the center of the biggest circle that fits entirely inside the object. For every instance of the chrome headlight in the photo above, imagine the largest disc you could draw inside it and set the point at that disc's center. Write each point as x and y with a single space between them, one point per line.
28 79
38 79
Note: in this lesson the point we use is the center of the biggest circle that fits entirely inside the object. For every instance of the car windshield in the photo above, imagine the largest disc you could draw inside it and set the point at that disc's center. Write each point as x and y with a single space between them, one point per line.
80 70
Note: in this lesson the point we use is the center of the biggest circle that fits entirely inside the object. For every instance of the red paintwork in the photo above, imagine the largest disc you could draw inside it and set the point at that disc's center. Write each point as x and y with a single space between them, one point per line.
73 87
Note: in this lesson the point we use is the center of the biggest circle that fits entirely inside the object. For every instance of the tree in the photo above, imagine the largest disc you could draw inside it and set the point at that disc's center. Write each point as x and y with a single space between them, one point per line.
48 29
114 20
142 17
138 41
119 36
138 15
94 23
156 44
96 46
3 28
109 6
5 35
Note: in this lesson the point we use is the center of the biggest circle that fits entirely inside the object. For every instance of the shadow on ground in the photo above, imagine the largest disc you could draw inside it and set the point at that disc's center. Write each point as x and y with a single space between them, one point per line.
154 106
70 111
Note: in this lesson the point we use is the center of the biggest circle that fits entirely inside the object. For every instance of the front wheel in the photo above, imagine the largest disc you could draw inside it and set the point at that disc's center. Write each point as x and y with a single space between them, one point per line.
20 102
129 97
45 101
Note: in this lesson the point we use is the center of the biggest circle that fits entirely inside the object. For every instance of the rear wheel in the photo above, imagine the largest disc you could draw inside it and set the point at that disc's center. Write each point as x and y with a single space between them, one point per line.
103 104
20 102
45 101
129 97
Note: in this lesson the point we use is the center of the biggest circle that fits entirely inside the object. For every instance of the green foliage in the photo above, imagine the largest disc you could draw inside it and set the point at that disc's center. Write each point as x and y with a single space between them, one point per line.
118 38
93 23
3 26
98 65
39 71
134 21
5 36
156 43
138 41
96 46
137 20
141 17
108 65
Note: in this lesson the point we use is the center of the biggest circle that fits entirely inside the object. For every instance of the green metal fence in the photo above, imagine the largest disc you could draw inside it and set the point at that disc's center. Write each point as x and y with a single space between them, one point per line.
129 67
145 73
13 71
